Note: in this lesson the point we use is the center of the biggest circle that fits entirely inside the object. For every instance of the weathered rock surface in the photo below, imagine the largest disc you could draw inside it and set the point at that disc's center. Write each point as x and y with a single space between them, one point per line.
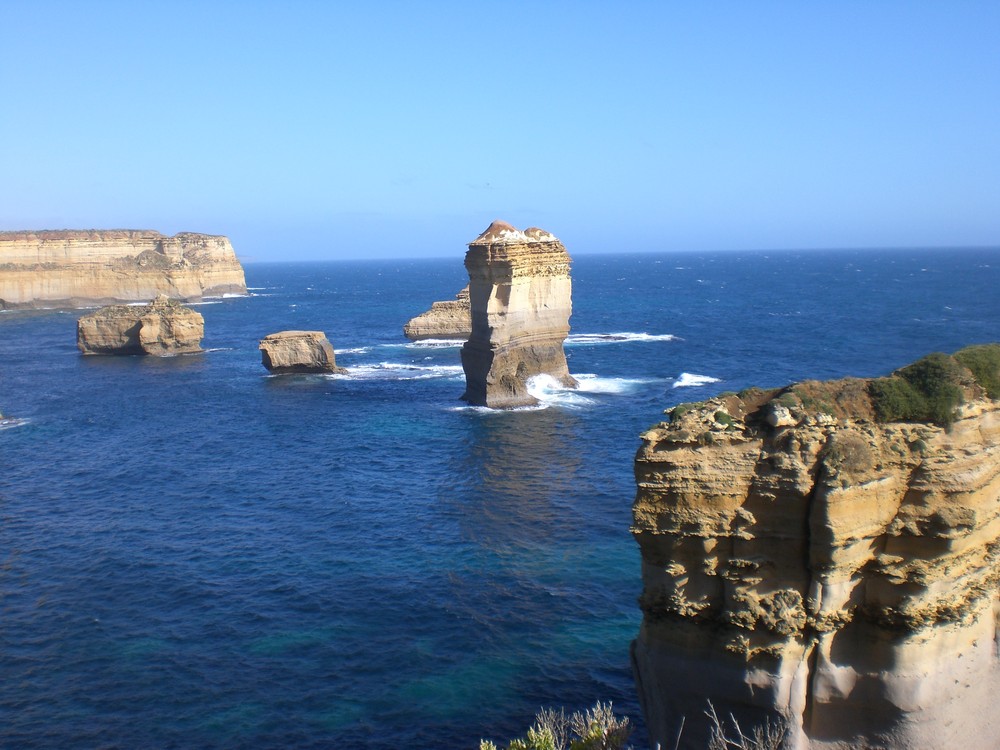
298 351
450 319
82 268
162 328
520 295
805 563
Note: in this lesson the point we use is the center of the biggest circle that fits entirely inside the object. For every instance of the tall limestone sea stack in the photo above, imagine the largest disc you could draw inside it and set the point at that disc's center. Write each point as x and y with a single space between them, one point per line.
82 268
811 559
520 296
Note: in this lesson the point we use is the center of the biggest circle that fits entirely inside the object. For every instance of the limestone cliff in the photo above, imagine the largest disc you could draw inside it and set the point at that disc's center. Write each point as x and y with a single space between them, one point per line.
298 351
520 296
809 559
83 268
450 319
161 328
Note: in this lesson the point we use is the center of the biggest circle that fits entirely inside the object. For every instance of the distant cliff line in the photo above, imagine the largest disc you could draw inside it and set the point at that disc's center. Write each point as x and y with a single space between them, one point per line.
82 268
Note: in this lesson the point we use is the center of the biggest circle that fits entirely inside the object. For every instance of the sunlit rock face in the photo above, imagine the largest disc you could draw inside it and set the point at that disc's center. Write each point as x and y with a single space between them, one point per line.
806 564
162 328
298 352
520 297
448 319
73 268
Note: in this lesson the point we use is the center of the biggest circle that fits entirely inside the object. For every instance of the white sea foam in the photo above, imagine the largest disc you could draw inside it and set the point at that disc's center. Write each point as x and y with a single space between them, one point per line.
399 371
616 338
10 422
353 350
433 344
690 380
589 383
550 392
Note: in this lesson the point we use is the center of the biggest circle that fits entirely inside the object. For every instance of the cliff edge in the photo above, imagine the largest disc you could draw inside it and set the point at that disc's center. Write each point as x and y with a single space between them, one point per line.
825 557
520 295
447 319
83 268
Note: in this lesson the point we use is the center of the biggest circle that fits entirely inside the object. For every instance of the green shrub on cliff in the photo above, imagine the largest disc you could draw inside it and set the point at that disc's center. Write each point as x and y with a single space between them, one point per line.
929 390
984 363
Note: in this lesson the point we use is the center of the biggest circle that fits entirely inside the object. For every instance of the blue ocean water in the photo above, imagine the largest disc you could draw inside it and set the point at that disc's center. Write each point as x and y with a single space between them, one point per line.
196 554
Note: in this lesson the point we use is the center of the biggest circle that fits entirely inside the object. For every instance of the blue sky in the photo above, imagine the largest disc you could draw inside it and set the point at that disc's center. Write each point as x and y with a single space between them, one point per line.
400 129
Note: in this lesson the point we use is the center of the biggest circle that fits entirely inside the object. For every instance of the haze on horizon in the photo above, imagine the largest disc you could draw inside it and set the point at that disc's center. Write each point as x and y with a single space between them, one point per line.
312 130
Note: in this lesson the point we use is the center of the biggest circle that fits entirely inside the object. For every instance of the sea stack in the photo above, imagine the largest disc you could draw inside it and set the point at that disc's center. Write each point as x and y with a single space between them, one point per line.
162 328
298 352
811 561
82 268
448 319
520 297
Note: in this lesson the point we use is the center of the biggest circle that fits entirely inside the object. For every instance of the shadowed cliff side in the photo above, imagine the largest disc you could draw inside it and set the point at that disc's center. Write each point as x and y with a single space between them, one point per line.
81 268
826 556
520 294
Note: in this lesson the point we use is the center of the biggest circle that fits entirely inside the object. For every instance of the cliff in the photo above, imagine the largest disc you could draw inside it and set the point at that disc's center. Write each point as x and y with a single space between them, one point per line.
162 328
84 268
298 351
811 559
449 319
520 296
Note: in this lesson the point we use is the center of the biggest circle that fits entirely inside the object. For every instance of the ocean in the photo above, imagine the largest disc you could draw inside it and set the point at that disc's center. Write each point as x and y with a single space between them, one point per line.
194 553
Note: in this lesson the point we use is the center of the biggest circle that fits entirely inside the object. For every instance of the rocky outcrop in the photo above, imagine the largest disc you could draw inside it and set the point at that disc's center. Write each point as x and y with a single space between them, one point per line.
450 319
84 268
298 351
809 563
520 295
162 328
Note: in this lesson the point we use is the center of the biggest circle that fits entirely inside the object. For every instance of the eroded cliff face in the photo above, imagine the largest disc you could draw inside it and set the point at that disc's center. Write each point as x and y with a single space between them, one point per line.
83 268
520 297
162 328
448 319
805 563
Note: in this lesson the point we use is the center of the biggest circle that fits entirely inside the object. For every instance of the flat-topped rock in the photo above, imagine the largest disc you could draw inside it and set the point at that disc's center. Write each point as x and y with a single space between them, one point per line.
520 298
298 352
80 268
448 319
826 557
164 327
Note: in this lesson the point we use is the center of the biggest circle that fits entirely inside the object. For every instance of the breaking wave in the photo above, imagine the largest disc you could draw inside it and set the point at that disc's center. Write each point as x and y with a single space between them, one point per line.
399 371
616 338
690 380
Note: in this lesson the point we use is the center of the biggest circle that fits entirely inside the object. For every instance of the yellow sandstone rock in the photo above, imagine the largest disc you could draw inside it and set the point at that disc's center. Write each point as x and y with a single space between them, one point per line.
298 351
81 268
520 294
449 319
162 328
806 563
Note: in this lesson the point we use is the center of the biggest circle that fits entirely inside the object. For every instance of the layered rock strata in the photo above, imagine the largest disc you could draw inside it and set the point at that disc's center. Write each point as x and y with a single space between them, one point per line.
298 351
162 328
810 565
520 297
450 319
84 268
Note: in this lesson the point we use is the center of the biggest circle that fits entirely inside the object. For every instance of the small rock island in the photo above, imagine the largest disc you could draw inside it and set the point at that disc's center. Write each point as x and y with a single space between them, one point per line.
520 297
162 328
298 352
826 557
447 319
83 268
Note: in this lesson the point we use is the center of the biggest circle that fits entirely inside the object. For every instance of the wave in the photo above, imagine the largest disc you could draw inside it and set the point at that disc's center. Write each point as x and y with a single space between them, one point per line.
550 392
589 383
7 423
433 344
399 371
616 338
690 380
353 350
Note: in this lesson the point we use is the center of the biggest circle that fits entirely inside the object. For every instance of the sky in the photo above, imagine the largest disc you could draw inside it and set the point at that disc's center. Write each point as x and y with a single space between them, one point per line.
377 129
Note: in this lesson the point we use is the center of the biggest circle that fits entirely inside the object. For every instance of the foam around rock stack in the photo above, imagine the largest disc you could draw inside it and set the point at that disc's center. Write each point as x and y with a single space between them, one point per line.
520 297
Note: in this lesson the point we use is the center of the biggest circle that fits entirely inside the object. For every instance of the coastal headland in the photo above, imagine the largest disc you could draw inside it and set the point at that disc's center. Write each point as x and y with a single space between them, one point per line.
84 268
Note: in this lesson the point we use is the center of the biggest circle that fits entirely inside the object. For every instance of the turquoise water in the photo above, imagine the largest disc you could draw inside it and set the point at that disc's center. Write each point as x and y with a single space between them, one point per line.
197 554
